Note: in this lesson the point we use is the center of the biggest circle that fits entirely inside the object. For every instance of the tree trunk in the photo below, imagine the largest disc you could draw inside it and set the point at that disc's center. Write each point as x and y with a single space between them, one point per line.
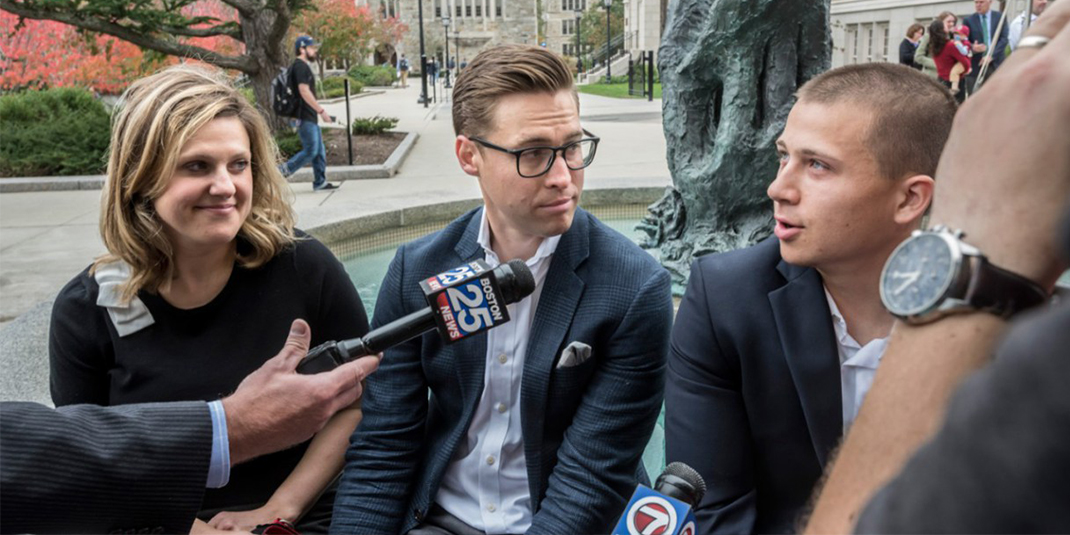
264 43
729 72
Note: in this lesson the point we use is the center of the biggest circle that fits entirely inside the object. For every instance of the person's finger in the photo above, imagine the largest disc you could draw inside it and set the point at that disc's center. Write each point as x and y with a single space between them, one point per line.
348 376
296 346
1054 21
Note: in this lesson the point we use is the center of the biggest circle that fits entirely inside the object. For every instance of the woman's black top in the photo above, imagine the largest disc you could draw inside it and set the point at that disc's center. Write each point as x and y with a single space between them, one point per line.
204 353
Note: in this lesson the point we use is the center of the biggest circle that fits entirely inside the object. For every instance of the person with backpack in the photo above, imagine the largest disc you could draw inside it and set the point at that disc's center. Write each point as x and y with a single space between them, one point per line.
403 69
306 112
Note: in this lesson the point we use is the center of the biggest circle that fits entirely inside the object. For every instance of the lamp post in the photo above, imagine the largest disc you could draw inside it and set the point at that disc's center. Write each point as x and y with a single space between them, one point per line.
446 34
609 76
423 56
579 49
457 46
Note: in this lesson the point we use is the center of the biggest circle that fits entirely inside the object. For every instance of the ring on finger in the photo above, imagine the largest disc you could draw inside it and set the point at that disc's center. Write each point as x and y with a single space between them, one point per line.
1033 41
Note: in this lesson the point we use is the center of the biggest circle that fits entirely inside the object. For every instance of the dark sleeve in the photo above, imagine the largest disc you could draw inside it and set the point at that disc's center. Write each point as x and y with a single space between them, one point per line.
706 423
79 346
383 456
89 469
597 461
302 74
906 53
999 463
338 312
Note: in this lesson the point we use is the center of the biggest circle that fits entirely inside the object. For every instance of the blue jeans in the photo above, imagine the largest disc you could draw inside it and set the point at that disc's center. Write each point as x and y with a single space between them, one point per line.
312 148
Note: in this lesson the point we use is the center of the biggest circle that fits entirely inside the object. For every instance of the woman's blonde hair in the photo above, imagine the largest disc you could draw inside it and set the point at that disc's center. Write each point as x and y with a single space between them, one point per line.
153 120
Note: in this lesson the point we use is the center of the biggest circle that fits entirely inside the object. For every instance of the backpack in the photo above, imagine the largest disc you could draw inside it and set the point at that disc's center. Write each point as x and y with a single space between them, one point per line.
404 65
283 97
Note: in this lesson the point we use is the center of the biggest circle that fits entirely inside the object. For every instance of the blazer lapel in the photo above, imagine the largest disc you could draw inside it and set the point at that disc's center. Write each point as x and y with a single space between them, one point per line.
561 293
803 322
469 355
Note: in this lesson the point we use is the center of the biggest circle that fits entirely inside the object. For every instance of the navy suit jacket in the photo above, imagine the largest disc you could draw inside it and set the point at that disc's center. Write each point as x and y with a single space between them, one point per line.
752 398
973 22
585 427
90 469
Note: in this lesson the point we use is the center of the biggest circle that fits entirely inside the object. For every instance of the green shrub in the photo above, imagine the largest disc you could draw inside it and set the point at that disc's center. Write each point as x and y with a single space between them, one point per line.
335 87
373 126
373 76
53 132
288 142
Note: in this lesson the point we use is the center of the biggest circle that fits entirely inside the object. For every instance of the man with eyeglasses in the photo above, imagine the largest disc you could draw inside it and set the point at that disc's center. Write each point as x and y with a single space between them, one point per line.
539 425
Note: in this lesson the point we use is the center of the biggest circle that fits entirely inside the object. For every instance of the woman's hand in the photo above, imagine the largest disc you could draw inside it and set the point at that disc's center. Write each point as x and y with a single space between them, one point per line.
201 528
247 520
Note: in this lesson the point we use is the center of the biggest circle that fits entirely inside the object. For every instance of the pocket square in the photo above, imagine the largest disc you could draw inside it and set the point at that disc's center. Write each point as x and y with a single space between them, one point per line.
575 354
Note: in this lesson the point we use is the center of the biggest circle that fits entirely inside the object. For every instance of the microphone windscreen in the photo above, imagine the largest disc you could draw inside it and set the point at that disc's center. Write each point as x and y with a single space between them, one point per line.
516 281
679 475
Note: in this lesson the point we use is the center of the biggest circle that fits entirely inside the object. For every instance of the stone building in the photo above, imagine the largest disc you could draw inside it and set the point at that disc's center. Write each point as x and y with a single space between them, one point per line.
871 30
643 25
473 24
561 24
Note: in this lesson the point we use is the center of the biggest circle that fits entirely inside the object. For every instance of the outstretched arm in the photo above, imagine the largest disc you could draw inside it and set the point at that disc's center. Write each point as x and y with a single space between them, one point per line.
1008 193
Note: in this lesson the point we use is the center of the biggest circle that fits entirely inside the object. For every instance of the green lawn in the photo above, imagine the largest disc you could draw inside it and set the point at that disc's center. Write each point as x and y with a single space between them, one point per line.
614 90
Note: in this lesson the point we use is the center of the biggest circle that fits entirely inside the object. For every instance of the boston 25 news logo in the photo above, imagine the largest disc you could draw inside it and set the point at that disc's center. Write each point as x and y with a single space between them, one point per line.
651 515
467 306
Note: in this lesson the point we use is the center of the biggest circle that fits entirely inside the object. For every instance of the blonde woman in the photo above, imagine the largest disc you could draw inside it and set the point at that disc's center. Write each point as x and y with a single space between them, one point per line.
203 275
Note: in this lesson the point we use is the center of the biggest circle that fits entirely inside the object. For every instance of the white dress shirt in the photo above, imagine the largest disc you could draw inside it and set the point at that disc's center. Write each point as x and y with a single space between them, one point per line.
858 364
1016 29
486 483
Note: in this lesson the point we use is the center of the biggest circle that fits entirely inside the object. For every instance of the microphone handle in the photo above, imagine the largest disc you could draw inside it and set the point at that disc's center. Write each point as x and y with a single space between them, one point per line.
329 355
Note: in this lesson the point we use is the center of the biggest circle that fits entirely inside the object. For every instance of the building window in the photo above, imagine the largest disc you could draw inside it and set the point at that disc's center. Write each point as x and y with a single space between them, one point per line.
498 8
438 12
458 10
479 10
850 45
468 10
564 5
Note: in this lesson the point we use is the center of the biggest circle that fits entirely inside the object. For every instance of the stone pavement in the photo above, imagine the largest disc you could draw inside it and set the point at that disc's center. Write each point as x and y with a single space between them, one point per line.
46 238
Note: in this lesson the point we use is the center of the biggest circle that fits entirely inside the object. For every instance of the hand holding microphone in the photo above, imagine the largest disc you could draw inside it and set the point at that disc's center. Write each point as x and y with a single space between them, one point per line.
463 301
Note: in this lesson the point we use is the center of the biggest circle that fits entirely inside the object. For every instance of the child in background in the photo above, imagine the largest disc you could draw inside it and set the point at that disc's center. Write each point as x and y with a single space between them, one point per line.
961 37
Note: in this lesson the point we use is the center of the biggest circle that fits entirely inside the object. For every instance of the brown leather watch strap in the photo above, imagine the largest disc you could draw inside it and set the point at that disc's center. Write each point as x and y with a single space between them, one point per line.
1001 292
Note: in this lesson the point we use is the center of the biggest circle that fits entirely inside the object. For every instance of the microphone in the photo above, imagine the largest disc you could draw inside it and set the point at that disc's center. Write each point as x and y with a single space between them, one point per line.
463 301
667 510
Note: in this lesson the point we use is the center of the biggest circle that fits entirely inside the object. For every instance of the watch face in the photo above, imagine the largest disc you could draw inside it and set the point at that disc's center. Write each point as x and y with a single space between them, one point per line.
917 274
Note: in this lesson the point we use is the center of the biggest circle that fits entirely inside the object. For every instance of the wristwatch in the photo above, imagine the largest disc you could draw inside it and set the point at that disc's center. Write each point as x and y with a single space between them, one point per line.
934 273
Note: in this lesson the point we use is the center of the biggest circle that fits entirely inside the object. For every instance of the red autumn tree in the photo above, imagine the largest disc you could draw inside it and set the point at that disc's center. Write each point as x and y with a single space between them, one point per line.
42 54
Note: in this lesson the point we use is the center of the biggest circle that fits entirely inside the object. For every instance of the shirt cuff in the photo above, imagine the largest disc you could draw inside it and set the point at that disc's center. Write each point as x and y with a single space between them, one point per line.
219 466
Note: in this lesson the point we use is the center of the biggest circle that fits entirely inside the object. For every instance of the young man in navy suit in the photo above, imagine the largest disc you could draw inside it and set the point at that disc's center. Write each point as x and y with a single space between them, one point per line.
536 426
775 346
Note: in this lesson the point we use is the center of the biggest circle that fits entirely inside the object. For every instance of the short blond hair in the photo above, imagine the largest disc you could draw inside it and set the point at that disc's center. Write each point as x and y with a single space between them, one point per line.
501 71
154 119
912 112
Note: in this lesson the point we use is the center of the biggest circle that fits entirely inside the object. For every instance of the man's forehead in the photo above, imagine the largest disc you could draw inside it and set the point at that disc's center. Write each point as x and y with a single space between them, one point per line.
837 129
535 116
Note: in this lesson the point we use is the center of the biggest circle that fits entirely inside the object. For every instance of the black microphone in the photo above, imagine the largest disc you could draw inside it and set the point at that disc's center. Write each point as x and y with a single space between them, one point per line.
682 482
463 301
668 509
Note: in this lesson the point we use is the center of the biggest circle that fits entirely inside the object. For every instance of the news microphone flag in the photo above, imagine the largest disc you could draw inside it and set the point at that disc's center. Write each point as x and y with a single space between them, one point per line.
467 300
652 513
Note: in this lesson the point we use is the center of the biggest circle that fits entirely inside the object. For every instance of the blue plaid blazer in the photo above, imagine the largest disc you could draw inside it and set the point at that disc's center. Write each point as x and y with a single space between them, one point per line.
585 426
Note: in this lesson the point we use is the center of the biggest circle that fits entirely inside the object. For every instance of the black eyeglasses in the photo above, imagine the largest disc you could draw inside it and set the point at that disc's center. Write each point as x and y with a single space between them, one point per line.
534 162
